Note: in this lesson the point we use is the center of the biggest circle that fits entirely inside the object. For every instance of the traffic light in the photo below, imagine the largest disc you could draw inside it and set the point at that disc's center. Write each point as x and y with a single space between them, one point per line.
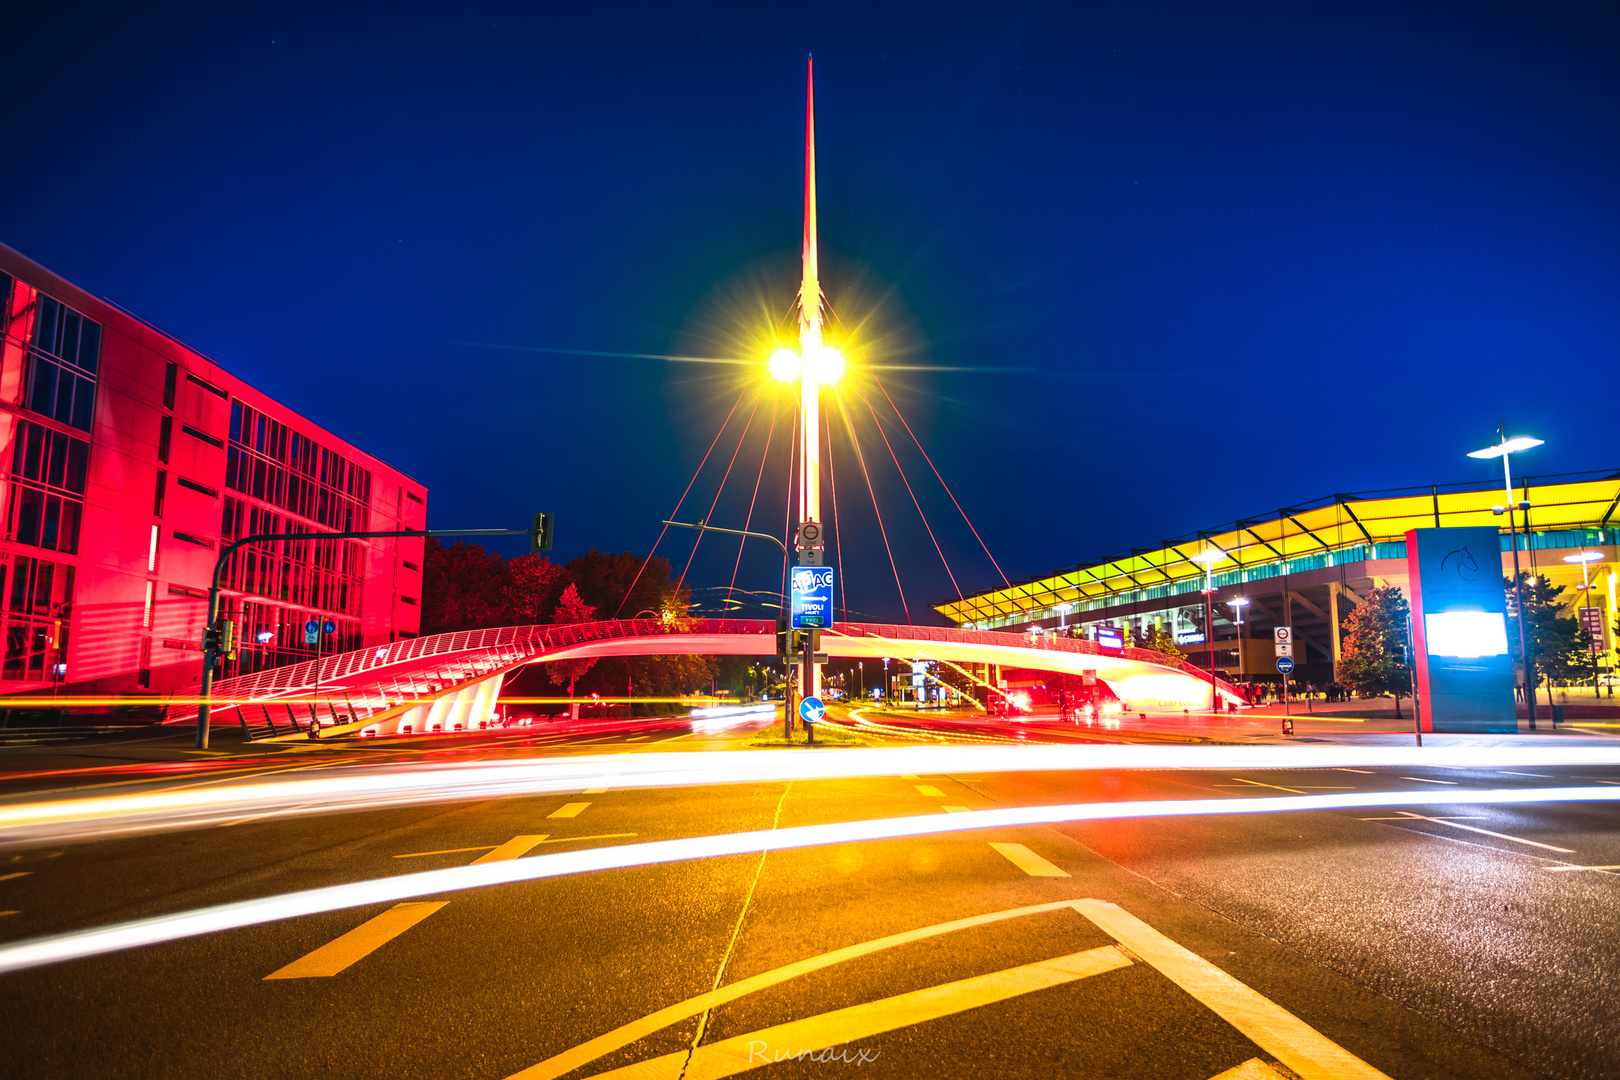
227 640
210 639
784 637
540 534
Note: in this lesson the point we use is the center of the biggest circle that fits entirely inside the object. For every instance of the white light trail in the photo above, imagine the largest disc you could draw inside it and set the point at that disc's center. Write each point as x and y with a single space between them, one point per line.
65 820
80 944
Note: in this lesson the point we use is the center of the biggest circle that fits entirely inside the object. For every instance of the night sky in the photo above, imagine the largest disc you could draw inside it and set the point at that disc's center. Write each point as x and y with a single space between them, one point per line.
1202 260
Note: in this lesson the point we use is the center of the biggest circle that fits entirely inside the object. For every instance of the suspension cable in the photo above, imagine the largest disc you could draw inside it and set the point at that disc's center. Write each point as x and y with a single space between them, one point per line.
717 493
895 458
677 511
787 513
832 479
861 457
731 590
942 483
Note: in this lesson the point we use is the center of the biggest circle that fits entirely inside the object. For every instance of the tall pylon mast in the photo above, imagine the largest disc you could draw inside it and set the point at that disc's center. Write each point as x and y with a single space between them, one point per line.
810 323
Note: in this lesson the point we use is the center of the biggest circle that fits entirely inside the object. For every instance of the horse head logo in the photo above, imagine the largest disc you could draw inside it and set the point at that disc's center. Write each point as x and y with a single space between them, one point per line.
1461 560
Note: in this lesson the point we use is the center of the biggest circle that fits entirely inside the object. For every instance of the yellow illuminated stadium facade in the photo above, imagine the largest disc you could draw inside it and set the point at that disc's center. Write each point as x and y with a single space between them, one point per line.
1307 566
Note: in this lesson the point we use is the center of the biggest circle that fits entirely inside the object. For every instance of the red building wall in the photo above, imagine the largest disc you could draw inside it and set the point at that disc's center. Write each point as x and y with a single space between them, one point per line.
127 459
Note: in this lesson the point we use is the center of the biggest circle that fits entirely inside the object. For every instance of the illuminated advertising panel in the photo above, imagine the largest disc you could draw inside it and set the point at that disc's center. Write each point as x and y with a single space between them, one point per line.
1459 629
1110 637
811 604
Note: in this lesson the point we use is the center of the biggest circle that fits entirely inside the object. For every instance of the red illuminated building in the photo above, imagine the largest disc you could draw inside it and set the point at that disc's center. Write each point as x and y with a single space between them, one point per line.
128 460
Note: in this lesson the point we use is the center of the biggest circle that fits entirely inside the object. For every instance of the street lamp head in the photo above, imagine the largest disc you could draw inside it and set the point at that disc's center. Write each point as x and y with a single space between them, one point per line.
1584 557
823 364
1238 601
1065 607
1508 446
785 365
1209 557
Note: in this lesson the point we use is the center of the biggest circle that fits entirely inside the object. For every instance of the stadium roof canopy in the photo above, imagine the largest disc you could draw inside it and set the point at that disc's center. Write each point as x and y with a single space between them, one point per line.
1332 530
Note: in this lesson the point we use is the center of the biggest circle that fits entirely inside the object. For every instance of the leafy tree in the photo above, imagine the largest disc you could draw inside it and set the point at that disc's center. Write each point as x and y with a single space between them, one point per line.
1560 649
463 587
616 585
536 584
1159 640
571 609
1372 653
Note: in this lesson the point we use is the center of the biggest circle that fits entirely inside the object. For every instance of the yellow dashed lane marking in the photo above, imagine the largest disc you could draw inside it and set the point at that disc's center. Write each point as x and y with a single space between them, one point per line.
929 791
1029 862
569 810
358 943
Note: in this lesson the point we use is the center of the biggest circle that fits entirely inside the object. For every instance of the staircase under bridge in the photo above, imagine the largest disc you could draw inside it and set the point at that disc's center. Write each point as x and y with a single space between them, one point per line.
451 682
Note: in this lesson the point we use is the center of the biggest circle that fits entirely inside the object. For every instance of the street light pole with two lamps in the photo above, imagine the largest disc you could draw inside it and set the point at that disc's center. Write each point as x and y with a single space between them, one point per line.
1586 603
1209 557
1504 447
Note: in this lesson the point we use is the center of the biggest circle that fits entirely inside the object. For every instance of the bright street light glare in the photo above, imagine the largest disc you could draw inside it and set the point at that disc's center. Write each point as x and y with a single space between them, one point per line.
1585 556
823 364
785 365
1238 601
1213 555
1512 446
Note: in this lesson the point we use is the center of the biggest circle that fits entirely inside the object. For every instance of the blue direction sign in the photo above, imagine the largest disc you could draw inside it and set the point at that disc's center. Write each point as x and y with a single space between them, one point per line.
312 630
811 710
812 600
1285 664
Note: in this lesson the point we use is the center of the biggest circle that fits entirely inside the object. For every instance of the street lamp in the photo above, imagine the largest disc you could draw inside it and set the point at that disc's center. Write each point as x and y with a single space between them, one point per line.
1063 617
1238 604
1586 602
1503 449
1209 558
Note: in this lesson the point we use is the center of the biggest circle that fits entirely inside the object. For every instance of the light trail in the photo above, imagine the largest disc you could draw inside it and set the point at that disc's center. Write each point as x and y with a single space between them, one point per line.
372 787
80 944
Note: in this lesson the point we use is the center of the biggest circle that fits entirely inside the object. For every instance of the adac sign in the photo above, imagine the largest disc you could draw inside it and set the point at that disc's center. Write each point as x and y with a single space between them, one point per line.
812 597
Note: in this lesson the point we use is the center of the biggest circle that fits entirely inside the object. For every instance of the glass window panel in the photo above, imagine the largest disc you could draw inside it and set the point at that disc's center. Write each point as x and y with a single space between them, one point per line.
41 383
78 464
56 462
45 324
27 509
68 340
90 346
84 399
50 520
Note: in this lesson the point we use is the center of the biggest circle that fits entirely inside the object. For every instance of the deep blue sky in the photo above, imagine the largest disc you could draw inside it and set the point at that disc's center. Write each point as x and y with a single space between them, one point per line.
1223 257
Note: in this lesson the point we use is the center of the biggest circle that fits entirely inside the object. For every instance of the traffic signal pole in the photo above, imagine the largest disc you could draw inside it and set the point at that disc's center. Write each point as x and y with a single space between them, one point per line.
540 540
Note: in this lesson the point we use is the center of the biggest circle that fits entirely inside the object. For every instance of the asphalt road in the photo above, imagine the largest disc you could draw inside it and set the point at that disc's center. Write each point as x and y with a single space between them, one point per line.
1421 947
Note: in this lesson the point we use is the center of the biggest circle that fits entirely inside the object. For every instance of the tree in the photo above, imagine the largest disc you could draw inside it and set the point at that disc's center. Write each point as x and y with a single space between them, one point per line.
571 609
535 585
1159 640
1560 648
463 587
1372 654
617 586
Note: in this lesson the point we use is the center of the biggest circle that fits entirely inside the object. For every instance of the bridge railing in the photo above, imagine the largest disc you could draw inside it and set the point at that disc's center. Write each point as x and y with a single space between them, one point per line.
503 644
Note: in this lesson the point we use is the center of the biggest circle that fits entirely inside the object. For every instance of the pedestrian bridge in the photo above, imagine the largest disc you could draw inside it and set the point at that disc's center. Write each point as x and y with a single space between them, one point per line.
451 682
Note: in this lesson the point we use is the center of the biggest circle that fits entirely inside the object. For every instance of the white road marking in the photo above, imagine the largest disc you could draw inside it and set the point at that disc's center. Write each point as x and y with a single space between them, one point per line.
1558 869
1363 772
1280 1033
568 810
1256 783
1029 862
1500 836
1538 776
1426 780
358 943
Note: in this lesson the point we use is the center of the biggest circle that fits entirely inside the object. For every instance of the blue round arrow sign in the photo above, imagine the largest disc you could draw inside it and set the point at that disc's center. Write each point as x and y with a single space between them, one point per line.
1285 664
811 710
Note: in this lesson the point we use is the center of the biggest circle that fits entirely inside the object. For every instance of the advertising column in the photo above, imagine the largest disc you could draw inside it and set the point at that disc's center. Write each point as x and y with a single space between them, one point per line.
1459 630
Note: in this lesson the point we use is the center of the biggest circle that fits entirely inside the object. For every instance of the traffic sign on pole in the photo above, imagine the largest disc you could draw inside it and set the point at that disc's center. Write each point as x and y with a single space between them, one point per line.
329 627
811 710
1283 638
312 631
1285 664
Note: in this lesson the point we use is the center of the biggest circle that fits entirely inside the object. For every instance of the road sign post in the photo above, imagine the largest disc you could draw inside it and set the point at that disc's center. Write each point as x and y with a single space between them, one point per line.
810 711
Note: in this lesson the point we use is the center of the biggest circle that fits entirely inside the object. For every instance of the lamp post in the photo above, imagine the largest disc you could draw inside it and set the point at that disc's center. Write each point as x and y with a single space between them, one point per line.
1063 618
1209 558
1238 604
1586 602
1502 449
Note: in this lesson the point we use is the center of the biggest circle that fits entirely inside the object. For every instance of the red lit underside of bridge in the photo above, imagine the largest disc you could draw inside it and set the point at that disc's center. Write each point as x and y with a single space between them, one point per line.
450 681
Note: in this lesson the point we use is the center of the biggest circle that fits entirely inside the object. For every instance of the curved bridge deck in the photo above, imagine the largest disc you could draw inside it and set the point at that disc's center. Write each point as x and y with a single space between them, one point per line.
453 680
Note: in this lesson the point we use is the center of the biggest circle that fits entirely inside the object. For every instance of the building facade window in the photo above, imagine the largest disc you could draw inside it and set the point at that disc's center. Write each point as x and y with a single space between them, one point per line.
46 505
171 380
39 608
165 437
272 463
159 492
322 574
62 364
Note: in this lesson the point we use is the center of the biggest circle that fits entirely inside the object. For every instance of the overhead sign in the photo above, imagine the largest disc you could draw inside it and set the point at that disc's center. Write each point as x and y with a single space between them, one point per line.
1110 637
812 597
811 710
1285 664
